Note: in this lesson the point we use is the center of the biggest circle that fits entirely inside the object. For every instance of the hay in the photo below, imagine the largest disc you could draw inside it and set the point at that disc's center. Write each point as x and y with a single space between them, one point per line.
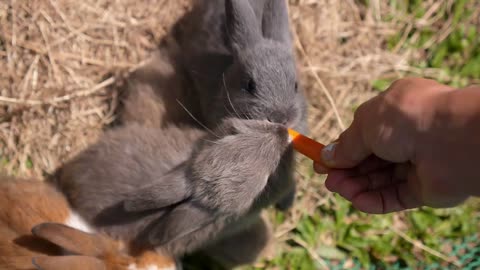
59 58
62 61
340 45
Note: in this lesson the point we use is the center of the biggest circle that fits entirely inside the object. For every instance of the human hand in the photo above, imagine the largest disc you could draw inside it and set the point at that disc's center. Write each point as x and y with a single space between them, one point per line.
399 153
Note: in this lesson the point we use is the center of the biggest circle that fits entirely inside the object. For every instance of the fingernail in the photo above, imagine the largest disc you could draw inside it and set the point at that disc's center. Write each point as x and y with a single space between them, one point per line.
328 154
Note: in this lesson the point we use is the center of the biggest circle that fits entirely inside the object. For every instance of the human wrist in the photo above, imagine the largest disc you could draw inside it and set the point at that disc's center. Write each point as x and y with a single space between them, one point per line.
429 115
457 130
457 111
463 106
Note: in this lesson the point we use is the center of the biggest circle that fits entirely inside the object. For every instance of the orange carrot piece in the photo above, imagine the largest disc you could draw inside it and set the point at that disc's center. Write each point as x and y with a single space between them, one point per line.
306 146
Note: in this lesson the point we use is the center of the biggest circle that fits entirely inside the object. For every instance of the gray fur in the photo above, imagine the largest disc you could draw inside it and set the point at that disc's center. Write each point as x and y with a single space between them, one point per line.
151 185
227 43
154 94
242 35
243 247
275 23
123 161
143 184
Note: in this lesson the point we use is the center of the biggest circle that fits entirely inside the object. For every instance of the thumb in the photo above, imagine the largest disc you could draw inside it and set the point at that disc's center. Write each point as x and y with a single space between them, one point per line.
348 150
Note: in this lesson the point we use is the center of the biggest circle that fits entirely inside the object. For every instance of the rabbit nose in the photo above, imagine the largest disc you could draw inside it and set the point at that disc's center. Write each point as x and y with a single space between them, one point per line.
277 118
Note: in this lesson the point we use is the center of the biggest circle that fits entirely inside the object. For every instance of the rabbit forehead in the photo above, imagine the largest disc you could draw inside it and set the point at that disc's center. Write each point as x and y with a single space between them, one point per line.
272 68
268 56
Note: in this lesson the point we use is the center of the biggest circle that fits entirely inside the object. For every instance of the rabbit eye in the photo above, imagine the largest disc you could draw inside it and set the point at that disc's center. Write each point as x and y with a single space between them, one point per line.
251 87
296 87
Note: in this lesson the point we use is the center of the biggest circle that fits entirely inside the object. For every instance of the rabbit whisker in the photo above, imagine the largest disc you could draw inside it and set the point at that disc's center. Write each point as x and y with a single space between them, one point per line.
228 95
230 114
200 123
210 141
240 114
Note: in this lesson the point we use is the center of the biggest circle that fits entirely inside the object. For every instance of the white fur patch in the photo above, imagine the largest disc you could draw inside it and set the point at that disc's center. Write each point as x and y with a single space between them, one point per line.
150 267
74 220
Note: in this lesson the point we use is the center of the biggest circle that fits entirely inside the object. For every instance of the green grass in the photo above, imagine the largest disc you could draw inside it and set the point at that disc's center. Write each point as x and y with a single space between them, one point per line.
361 241
370 242
455 60
345 238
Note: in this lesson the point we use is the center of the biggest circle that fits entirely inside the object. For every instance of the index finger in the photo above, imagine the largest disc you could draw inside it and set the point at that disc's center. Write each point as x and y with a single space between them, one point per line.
351 147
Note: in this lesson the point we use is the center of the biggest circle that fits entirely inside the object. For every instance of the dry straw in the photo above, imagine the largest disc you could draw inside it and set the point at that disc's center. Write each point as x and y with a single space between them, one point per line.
61 60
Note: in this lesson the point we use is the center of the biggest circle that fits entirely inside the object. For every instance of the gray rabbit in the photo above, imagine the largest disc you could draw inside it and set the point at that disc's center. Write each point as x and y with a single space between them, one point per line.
239 56
149 185
181 188
235 59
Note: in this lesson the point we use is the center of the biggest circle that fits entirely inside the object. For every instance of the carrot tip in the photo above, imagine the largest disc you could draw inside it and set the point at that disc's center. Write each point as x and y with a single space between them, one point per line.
293 133
306 146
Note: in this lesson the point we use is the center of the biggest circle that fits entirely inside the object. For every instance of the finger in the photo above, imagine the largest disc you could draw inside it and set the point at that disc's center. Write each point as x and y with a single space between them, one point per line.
393 198
336 178
351 148
348 184
319 168
371 164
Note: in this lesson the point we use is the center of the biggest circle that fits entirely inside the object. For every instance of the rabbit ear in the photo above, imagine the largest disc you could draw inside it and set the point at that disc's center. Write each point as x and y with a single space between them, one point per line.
68 262
275 24
242 25
71 239
179 222
158 195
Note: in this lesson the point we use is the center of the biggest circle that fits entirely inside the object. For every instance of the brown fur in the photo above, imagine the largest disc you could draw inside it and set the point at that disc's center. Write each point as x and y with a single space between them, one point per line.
23 204
149 257
30 202
27 204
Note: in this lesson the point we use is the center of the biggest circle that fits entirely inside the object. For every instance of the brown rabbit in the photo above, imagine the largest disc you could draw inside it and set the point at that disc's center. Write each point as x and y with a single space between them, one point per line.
38 230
